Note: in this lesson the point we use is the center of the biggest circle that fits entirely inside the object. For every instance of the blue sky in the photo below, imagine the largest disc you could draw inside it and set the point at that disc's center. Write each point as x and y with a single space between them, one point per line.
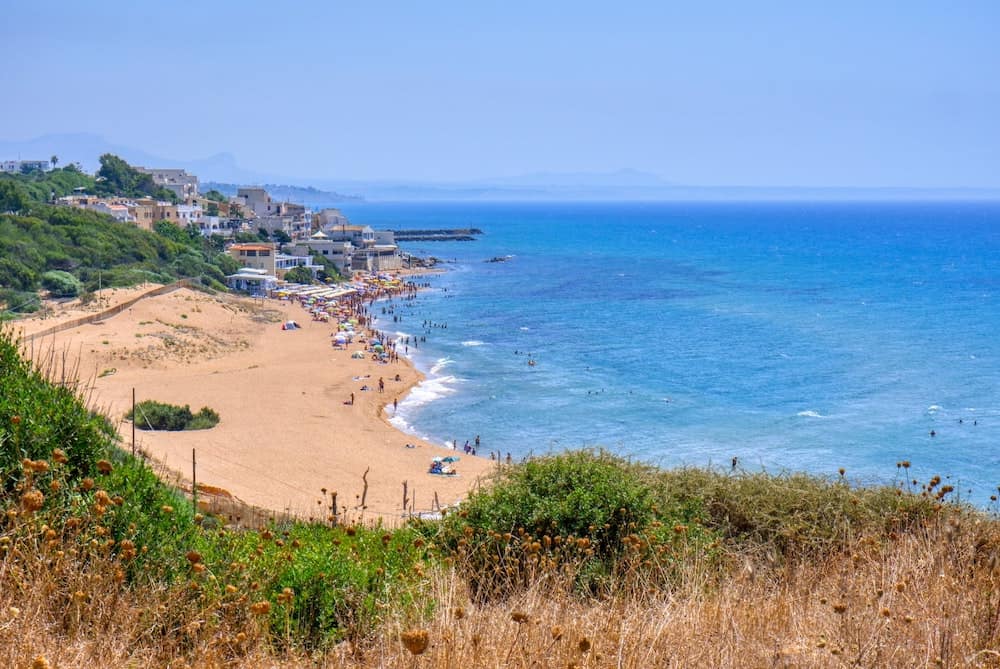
708 93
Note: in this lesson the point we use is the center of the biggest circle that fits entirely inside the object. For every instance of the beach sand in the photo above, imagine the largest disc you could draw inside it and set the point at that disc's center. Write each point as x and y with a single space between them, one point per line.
286 433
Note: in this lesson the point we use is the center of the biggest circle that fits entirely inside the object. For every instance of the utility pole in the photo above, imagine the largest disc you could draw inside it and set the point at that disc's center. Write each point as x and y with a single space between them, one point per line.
194 482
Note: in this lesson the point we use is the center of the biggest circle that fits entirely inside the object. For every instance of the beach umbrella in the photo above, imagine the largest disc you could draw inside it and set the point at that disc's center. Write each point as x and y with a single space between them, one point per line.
375 342
378 347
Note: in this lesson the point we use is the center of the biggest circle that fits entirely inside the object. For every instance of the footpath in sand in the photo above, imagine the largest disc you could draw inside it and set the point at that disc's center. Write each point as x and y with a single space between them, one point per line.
286 433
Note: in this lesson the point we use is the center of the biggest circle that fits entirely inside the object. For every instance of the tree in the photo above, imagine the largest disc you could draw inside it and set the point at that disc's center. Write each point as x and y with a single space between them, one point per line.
212 209
280 236
61 284
12 198
54 160
117 177
216 196
299 275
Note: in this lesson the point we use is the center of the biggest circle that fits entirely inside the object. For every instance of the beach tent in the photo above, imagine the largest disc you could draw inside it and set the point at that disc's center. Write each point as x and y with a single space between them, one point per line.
358 355
290 325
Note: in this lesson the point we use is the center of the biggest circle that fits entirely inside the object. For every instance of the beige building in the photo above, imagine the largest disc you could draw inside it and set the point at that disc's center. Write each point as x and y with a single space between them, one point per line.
255 256
256 201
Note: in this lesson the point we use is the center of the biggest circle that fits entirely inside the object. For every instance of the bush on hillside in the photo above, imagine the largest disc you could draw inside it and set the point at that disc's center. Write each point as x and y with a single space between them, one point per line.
61 284
37 417
586 515
153 415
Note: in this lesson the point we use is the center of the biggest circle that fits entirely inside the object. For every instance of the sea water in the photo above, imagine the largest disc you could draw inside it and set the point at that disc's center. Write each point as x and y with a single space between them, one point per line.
792 336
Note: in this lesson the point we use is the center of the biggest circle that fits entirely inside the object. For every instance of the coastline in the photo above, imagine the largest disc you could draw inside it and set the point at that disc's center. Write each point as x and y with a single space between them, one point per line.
288 437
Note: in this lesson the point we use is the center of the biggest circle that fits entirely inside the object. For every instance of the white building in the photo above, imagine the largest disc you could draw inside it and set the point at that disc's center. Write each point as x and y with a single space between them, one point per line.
340 253
183 185
188 214
119 212
254 281
17 166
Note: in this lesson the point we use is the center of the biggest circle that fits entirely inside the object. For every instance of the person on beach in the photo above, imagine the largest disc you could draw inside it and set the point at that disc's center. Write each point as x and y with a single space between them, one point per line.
381 384
395 403
352 399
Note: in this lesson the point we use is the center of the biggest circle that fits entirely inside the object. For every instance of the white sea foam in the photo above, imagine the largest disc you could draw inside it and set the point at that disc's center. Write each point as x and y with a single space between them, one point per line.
932 408
441 364
810 414
523 328
472 342
427 391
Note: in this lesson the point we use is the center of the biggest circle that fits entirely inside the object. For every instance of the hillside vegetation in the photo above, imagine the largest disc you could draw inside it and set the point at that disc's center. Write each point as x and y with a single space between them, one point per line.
37 239
574 560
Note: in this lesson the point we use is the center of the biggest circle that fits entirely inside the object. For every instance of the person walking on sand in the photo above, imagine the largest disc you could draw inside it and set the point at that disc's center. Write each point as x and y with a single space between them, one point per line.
381 384
352 399
395 403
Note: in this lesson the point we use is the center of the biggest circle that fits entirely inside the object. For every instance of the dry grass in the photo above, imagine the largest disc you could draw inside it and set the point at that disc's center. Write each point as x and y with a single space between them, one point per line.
928 597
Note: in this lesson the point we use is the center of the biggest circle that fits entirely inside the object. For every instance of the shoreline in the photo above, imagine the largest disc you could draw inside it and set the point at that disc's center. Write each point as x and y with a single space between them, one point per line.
287 438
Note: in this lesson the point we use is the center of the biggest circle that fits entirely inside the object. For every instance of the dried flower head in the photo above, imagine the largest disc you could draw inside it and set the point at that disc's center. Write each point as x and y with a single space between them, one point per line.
87 484
194 557
40 663
415 641
59 455
583 645
32 500
261 608
104 467
520 617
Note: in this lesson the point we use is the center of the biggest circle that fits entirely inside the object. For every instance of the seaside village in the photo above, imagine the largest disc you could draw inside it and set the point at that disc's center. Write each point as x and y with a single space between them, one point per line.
370 259
291 235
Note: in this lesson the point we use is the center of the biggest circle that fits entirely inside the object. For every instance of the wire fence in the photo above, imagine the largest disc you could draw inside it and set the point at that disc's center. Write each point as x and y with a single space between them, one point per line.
111 311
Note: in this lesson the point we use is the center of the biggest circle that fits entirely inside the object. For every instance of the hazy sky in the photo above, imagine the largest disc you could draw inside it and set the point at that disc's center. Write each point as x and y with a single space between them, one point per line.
841 93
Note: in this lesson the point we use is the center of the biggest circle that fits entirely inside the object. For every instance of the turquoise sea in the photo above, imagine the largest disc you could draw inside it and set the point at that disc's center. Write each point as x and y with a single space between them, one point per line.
793 336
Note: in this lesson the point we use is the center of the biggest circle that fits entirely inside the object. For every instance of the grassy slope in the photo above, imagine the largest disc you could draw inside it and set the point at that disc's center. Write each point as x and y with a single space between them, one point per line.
91 246
576 560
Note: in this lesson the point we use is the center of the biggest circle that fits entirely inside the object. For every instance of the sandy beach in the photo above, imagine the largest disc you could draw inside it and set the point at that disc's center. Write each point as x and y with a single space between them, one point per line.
287 429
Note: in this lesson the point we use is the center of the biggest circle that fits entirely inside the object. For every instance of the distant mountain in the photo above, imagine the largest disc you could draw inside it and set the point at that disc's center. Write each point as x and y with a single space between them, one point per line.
87 148
624 178
307 195
625 184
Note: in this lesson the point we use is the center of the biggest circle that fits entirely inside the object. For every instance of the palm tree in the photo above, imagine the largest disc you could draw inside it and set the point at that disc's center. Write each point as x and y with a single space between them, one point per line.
54 160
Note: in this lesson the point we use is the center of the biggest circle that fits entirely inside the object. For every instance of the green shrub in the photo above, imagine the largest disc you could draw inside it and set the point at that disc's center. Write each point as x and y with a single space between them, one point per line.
203 420
37 417
61 284
793 515
153 415
579 493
